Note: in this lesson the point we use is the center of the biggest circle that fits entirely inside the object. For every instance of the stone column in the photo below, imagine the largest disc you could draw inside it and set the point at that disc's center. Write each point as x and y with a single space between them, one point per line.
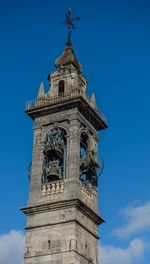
35 185
74 150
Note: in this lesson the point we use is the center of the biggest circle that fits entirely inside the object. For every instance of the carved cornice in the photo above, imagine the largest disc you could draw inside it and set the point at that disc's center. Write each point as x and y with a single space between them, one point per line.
74 203
80 103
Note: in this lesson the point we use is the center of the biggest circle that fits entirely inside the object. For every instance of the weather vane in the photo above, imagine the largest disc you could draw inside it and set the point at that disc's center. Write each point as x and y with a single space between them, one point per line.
69 22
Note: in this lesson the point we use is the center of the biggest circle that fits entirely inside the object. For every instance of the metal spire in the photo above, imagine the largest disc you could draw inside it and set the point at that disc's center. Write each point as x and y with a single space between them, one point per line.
69 22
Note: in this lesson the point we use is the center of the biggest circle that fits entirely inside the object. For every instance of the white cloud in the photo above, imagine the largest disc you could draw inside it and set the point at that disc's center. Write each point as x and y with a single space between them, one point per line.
137 219
116 255
12 248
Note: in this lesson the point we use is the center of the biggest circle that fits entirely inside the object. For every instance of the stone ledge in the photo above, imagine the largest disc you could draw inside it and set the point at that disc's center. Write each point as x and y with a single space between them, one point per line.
84 108
39 208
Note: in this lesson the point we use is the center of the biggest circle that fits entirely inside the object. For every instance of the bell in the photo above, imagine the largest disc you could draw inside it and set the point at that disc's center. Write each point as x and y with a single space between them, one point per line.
54 175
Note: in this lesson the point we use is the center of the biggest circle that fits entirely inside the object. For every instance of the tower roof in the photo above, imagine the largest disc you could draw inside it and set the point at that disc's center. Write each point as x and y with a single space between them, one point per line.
67 87
68 57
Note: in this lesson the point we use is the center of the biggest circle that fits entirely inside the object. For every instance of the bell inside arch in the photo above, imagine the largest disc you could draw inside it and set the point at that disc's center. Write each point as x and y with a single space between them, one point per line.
54 171
54 162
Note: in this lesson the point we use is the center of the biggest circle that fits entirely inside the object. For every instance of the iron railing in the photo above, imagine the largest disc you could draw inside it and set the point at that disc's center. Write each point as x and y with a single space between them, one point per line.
73 94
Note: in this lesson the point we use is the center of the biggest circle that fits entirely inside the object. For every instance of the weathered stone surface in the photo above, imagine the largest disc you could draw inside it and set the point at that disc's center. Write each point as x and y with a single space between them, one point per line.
62 216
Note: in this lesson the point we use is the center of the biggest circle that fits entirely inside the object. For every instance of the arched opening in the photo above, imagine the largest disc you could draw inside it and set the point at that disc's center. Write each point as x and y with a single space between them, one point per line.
83 153
88 162
61 87
54 164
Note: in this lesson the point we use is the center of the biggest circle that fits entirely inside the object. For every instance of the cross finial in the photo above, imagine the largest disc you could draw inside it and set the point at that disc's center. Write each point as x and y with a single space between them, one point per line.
69 22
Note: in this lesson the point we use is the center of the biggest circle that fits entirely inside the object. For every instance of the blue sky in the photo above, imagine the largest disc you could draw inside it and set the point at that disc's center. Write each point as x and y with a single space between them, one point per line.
112 42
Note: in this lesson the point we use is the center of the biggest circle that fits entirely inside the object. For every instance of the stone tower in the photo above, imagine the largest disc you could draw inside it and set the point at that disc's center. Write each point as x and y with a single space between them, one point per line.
62 210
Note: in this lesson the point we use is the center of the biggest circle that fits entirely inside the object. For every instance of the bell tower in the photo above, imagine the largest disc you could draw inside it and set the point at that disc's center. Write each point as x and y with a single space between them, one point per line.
62 209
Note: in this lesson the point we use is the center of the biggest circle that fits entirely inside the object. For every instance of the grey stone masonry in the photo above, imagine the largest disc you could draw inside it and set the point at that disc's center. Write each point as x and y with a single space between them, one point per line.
62 214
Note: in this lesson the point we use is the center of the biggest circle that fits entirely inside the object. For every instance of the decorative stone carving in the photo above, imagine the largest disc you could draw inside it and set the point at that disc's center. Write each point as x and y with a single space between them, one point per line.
51 188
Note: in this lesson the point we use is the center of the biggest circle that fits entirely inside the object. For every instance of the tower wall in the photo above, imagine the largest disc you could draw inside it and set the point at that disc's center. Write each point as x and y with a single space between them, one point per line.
62 210
63 235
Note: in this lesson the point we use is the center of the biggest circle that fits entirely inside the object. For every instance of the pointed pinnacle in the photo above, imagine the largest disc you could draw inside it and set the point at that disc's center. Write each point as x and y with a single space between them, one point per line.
41 91
93 100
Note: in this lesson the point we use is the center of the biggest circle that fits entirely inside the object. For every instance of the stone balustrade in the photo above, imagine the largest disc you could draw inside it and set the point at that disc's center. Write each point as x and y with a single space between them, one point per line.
87 191
52 188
